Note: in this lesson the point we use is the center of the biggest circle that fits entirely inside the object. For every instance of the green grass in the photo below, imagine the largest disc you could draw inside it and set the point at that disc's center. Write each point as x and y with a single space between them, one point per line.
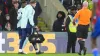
43 55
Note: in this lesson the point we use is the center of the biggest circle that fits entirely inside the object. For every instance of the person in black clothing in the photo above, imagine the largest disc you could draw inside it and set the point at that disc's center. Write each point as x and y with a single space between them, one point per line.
2 18
67 4
77 2
71 35
13 15
58 24
38 11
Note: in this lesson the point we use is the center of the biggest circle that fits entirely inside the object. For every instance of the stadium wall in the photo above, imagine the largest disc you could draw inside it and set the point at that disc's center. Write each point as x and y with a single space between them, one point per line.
56 42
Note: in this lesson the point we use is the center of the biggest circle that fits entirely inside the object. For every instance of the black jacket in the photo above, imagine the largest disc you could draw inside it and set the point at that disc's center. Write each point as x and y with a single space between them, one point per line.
57 26
13 18
2 20
38 11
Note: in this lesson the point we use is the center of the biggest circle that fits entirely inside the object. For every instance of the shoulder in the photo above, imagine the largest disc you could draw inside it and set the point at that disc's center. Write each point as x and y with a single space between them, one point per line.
20 9
79 11
28 6
89 10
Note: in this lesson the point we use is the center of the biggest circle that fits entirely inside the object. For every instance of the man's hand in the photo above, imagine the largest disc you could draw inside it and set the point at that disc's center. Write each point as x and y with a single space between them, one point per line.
74 22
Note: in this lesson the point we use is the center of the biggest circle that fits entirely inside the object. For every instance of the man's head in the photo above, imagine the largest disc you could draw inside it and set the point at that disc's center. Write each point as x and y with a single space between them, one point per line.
73 10
85 4
15 3
60 15
24 3
7 17
33 3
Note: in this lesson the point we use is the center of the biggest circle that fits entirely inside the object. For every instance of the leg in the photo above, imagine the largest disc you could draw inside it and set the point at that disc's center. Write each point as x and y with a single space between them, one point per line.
79 37
80 43
20 33
35 46
94 47
95 34
85 35
69 43
23 37
94 44
28 32
74 43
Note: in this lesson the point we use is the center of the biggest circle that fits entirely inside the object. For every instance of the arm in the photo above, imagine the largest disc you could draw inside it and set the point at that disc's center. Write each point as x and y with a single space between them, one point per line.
67 24
94 9
31 13
76 16
53 29
19 14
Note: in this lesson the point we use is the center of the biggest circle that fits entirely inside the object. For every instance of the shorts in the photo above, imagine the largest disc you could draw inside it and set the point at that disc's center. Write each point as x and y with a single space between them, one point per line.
96 30
82 31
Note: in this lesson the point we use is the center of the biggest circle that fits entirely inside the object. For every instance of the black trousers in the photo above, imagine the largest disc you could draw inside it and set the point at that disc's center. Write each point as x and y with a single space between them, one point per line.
71 42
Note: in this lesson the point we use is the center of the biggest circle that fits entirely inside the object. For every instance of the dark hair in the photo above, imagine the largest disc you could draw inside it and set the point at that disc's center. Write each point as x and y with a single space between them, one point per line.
23 1
62 13
32 1
15 2
73 8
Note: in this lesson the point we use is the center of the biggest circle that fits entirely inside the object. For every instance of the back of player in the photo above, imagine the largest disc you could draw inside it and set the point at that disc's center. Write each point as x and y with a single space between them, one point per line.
96 27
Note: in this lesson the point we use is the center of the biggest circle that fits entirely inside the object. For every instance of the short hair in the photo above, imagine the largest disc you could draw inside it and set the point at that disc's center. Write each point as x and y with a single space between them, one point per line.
85 4
23 1
73 8
32 1
15 2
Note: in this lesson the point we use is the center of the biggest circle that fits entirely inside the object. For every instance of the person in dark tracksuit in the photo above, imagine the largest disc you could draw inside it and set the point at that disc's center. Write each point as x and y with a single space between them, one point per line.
71 30
38 11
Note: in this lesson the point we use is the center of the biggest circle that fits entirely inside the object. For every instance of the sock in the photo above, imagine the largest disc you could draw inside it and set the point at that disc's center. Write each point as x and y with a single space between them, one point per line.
79 41
20 50
25 42
95 52
82 45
